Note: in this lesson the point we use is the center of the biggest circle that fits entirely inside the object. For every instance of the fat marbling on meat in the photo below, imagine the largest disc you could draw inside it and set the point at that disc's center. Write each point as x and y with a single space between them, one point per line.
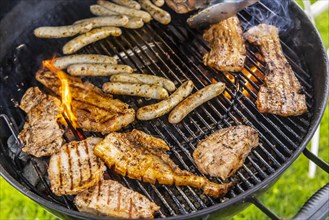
224 152
112 199
227 48
41 134
281 93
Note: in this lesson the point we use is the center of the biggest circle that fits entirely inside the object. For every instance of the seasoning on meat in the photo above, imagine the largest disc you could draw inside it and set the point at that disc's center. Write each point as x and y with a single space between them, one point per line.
75 167
281 93
41 134
224 152
141 156
95 111
227 48
182 6
112 199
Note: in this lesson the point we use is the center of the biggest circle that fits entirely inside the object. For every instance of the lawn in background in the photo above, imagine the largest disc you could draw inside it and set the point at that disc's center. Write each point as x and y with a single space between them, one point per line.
285 197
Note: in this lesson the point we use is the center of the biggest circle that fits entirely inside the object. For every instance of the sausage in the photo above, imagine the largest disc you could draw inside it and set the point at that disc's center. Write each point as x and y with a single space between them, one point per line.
142 90
62 31
97 69
145 79
158 3
134 23
108 21
65 61
194 101
90 37
101 11
161 108
128 3
125 11
157 13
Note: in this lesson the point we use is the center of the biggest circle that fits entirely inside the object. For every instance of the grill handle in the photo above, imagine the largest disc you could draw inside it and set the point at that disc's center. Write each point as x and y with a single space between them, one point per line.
316 207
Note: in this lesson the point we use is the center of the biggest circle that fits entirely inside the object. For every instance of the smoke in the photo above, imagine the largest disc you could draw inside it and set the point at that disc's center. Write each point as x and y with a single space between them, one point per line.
273 12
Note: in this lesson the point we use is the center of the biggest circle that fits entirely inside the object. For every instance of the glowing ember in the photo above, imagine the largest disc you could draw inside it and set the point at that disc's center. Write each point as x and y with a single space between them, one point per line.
64 90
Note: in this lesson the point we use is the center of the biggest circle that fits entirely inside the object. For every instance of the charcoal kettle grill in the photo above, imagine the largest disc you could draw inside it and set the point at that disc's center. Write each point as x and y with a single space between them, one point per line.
174 51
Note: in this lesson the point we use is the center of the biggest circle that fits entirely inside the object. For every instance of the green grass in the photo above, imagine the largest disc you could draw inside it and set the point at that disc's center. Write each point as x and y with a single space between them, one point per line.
285 198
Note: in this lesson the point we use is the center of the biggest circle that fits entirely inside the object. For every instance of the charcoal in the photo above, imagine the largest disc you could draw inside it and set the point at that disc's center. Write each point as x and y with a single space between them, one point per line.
16 148
34 169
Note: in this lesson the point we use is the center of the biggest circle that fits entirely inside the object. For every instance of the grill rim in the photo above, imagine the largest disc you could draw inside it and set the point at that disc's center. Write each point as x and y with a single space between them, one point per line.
315 121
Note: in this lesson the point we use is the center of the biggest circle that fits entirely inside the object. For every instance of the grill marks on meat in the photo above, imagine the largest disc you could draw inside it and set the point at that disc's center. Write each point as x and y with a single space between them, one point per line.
141 156
224 152
75 167
227 48
94 110
281 93
41 134
112 199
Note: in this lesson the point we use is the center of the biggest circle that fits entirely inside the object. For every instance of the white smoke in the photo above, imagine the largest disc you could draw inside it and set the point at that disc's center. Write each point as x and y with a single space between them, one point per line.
274 12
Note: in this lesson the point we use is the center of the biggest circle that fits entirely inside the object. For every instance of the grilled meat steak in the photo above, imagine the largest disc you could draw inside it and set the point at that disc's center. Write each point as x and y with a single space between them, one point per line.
182 6
95 111
141 156
75 167
224 152
281 93
112 199
41 134
227 48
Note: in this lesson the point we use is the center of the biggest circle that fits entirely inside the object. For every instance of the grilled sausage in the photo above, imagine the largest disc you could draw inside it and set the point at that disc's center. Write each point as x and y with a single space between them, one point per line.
97 69
145 79
101 11
128 3
90 37
108 21
65 61
157 110
157 13
147 91
134 23
125 11
194 101
158 3
62 31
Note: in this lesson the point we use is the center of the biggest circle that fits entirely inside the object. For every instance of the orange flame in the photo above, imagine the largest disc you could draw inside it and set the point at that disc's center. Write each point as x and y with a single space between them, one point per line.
64 90
230 77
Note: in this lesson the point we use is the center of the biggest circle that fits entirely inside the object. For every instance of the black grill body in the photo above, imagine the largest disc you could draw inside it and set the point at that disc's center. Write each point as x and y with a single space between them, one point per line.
174 51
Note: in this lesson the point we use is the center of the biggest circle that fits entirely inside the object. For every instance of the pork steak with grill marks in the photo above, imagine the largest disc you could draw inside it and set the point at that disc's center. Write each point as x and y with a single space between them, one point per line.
281 93
224 152
75 167
112 199
227 48
41 134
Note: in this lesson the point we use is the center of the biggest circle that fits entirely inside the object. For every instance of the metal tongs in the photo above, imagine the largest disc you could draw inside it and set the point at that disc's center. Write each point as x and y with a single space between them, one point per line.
213 11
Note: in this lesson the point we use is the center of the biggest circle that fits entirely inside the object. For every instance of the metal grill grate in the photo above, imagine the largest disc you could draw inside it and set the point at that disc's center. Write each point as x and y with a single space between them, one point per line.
175 52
